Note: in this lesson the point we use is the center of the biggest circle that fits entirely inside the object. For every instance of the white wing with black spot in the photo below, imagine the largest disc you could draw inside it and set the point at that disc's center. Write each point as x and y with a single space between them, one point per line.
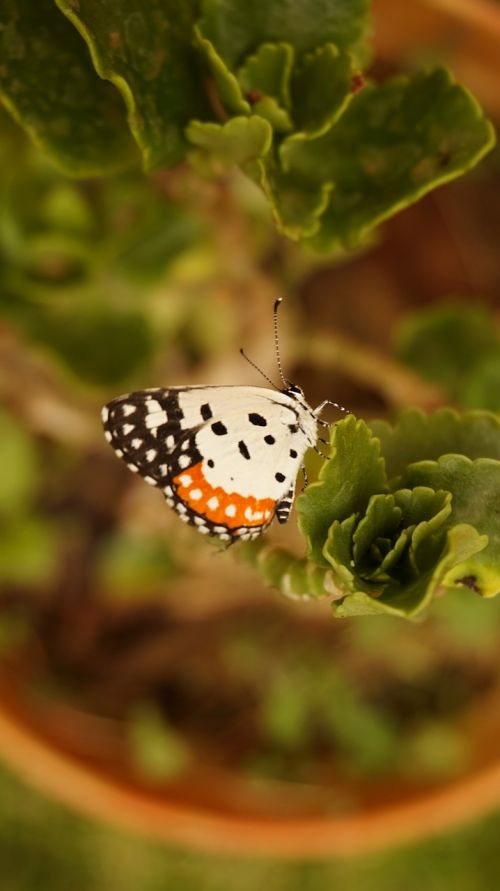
239 447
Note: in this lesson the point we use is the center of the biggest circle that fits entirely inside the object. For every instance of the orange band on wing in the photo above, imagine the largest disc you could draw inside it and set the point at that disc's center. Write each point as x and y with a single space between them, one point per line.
225 508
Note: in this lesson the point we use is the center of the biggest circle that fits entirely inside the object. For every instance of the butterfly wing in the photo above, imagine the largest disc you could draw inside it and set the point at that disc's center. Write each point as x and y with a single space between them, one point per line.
144 428
226 458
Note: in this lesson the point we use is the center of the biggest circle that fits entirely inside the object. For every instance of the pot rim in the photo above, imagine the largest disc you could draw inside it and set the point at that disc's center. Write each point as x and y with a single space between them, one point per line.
109 798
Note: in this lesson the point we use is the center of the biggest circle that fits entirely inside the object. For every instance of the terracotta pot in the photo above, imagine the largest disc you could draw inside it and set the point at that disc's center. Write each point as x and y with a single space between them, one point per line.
73 757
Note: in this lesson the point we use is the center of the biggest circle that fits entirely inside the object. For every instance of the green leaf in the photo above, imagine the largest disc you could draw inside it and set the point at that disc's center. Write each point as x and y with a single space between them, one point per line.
338 551
389 562
481 389
268 72
321 89
18 466
428 512
393 144
265 80
48 83
462 542
417 436
236 27
145 49
297 208
228 88
445 343
269 109
381 520
475 489
238 141
354 472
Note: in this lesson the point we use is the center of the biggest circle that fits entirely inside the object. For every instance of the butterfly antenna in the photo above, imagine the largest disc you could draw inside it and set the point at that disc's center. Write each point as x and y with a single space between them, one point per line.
268 379
277 341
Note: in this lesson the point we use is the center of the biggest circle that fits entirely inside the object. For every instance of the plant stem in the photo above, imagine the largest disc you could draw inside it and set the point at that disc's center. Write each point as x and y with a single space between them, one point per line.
295 577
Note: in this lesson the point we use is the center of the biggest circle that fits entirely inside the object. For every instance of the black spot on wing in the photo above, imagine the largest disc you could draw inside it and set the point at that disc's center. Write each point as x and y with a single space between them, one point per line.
206 411
243 450
269 439
279 477
293 453
257 419
219 429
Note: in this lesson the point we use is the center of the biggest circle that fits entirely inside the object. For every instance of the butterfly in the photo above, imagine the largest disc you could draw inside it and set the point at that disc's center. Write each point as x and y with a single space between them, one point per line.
225 457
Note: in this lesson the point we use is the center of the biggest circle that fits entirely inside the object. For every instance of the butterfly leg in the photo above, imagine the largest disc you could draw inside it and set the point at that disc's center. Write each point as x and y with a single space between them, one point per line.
319 409
318 452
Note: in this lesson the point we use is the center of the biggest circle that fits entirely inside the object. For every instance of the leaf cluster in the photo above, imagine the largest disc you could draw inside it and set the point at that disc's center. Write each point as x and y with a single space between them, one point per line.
402 513
274 87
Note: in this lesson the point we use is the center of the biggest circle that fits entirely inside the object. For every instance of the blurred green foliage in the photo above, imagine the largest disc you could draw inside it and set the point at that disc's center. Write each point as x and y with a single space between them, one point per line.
18 465
128 563
313 698
73 256
458 347
382 700
157 752
28 542
44 846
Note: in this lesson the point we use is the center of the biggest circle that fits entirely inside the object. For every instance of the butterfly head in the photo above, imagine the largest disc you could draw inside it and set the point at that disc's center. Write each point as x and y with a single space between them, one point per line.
293 390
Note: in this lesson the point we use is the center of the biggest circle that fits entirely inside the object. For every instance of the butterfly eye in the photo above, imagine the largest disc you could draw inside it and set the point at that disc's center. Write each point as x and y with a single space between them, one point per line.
294 390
